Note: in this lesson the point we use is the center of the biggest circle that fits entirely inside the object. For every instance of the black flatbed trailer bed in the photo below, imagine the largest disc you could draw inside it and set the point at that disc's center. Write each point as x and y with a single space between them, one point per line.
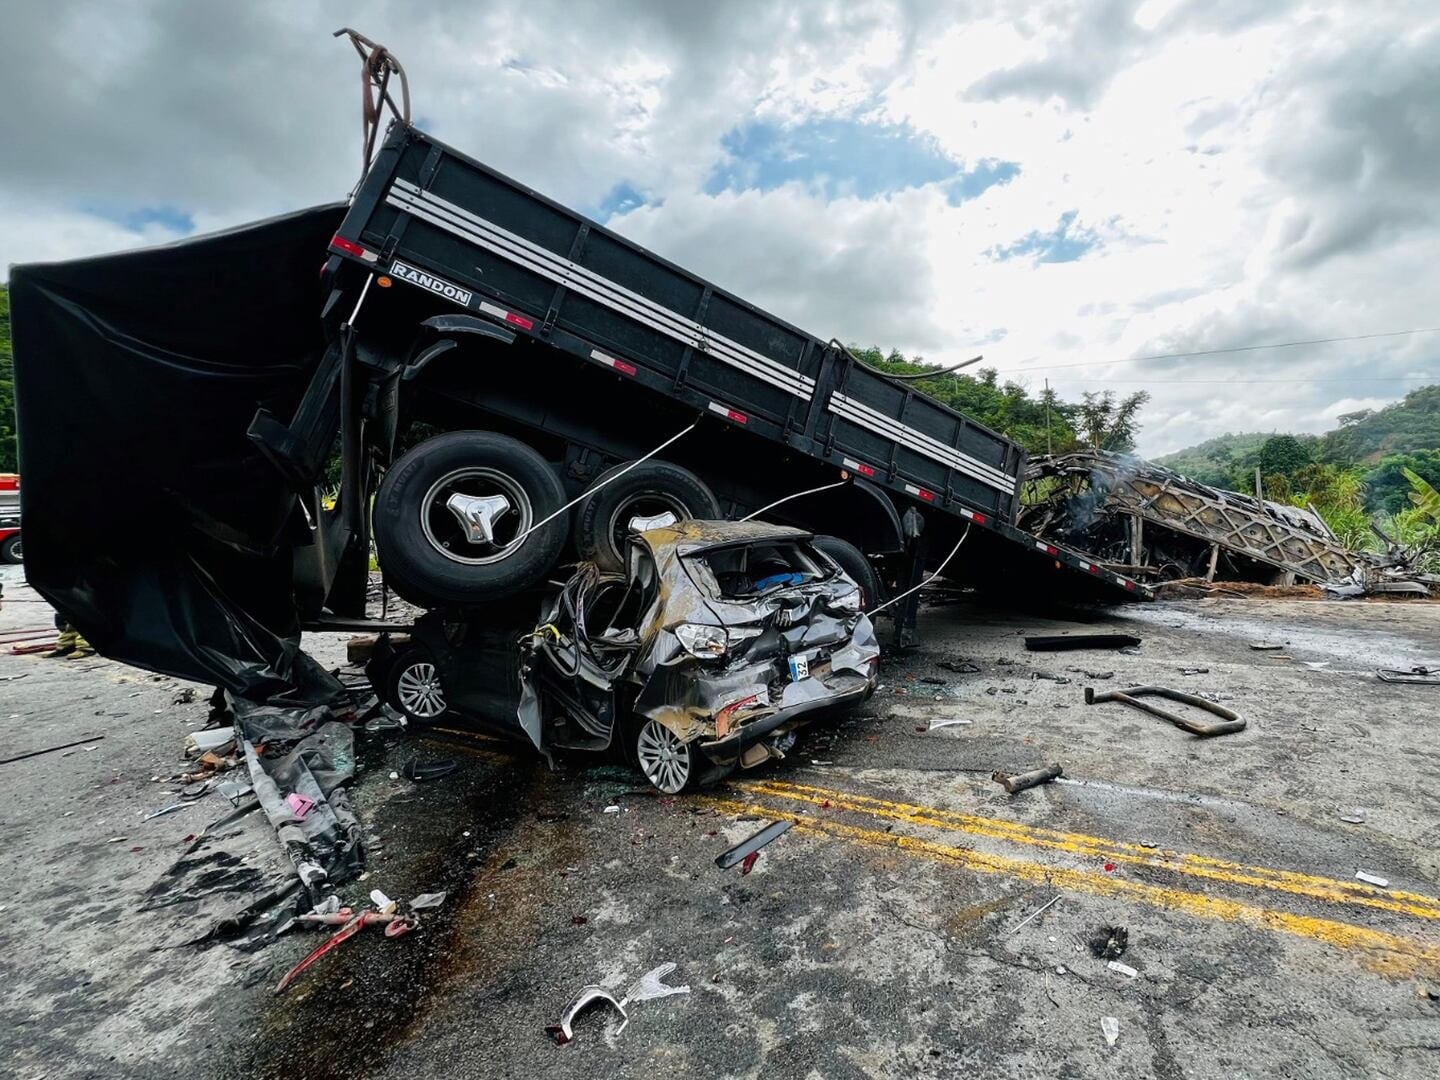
429 218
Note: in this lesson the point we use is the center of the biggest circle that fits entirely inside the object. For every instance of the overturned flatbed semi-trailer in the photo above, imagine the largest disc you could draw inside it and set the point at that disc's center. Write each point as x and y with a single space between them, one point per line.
501 385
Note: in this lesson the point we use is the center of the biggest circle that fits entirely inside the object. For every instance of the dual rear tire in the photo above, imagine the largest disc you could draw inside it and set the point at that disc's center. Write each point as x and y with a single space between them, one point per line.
457 519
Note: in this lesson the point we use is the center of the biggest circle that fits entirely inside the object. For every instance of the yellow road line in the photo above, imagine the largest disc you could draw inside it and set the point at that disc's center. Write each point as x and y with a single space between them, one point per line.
1388 954
1331 890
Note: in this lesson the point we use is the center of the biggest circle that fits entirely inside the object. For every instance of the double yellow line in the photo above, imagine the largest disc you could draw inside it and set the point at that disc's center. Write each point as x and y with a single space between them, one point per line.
1386 952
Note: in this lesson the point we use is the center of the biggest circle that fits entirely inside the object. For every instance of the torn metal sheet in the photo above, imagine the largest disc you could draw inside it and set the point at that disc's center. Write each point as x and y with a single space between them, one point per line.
1144 520
721 638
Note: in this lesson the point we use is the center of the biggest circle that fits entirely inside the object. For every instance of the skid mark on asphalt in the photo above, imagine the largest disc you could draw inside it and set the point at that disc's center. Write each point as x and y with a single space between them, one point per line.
1386 953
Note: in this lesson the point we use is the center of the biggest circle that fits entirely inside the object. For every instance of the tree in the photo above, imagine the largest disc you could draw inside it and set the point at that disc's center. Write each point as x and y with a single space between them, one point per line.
1106 424
1283 455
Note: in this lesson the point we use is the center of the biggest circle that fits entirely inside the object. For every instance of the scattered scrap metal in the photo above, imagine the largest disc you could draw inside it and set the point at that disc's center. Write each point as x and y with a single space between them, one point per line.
1068 642
647 987
1021 781
751 845
1228 723
1146 521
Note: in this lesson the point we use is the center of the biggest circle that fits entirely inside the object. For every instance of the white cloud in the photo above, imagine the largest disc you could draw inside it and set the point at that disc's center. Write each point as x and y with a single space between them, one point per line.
1250 172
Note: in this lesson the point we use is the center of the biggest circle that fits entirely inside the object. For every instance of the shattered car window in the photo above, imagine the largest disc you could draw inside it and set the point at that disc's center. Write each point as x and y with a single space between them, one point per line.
755 569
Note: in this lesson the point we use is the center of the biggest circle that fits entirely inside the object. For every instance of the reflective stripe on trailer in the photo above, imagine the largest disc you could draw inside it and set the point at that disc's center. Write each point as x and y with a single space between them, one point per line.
858 412
975 516
610 361
729 413
486 234
928 496
507 316
858 466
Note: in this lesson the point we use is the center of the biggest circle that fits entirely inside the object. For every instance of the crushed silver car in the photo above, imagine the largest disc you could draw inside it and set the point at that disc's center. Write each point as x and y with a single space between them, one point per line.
717 642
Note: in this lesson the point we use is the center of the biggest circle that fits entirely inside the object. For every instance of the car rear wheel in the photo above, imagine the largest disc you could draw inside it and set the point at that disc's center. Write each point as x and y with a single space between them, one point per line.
414 687
671 764
10 551
453 519
651 488
852 560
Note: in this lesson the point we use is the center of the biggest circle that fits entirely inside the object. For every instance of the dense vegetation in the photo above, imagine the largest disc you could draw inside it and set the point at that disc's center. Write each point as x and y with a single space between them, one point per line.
1375 467
1043 423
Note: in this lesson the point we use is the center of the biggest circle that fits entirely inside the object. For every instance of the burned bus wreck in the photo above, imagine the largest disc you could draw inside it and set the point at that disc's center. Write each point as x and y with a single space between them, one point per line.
1152 522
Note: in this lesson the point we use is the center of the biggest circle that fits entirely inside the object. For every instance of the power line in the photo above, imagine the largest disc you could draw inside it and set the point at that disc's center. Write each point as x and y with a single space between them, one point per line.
1226 382
1236 349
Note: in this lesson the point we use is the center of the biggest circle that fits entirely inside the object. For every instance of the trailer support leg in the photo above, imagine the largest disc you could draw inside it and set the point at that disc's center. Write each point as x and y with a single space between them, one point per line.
908 610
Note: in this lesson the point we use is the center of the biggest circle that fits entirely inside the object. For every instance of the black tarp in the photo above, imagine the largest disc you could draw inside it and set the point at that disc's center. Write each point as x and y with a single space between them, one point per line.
151 521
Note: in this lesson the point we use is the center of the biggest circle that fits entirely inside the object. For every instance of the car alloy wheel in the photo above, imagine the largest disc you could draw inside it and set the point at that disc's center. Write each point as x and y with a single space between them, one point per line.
419 692
665 759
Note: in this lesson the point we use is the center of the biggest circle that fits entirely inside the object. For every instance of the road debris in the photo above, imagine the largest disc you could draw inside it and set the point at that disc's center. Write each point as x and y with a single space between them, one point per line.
1097 675
166 810
1066 642
52 749
351 924
1422 676
1229 722
1049 676
1194 671
1353 817
1020 782
1110 1028
1043 907
1123 969
752 845
301 804
1109 942
561 1030
652 985
428 900
431 770
209 740
1267 646
1373 879
946 721
964 668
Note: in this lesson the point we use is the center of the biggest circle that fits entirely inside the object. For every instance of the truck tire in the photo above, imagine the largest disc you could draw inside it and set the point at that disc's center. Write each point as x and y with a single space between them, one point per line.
650 488
10 550
854 563
434 559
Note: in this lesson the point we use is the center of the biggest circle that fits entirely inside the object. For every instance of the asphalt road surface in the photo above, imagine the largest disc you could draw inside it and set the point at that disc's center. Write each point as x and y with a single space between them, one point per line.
892 932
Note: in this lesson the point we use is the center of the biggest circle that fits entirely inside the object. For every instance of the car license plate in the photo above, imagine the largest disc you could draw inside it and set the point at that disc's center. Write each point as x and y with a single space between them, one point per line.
799 668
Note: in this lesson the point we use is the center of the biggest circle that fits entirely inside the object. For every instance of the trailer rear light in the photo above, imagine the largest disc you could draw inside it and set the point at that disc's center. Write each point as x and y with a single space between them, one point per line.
519 320
383 281
979 519
859 466
349 247
729 413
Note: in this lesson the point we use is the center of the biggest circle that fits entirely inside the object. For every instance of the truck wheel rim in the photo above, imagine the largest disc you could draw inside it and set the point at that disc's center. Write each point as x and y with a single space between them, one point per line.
665 760
444 532
419 690
651 504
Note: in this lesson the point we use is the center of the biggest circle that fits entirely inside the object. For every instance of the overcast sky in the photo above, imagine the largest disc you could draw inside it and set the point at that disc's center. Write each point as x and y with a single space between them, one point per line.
1060 186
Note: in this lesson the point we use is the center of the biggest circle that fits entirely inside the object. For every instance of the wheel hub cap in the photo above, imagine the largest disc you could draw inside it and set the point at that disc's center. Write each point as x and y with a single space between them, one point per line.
419 690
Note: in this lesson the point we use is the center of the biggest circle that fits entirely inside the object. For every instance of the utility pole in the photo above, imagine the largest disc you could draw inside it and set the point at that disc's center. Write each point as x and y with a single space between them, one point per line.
1048 448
